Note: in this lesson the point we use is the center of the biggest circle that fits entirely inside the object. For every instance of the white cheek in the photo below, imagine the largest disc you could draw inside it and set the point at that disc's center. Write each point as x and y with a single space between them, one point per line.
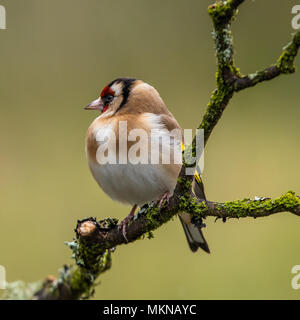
117 88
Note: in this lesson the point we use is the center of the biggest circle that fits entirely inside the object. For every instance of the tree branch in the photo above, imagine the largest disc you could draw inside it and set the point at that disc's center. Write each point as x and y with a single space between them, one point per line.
284 65
111 237
95 241
229 78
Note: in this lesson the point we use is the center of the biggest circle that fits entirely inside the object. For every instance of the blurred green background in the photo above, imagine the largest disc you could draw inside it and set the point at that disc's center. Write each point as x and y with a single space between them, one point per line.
55 57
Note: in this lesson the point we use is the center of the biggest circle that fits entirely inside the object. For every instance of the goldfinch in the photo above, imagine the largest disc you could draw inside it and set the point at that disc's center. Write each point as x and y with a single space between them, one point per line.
120 169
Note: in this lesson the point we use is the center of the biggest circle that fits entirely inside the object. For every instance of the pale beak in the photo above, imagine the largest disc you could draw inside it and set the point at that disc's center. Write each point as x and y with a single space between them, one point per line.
95 105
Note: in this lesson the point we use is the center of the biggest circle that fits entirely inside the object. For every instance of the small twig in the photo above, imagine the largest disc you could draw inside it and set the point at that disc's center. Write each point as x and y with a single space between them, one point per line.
284 65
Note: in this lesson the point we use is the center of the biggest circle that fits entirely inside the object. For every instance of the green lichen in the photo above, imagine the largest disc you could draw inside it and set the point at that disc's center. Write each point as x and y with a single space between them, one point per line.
285 62
92 259
155 219
154 215
75 282
89 255
288 201
185 185
224 48
259 207
108 223
255 78
263 207
221 11
215 108
150 235
20 290
193 206
82 280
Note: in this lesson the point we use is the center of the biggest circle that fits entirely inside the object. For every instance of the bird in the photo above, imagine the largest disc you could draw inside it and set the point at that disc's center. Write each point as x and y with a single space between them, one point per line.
138 107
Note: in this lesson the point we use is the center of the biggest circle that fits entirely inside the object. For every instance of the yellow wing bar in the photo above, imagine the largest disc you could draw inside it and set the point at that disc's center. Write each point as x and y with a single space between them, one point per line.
197 171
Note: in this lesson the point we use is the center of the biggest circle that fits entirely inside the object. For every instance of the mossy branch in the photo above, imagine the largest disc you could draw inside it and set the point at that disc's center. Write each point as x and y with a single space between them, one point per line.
284 65
96 240
150 218
229 78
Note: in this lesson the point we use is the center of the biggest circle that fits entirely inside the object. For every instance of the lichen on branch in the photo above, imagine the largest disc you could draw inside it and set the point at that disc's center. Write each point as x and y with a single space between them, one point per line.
96 240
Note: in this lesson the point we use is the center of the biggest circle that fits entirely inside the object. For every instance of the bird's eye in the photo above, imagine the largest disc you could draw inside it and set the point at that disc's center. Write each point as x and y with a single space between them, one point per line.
108 99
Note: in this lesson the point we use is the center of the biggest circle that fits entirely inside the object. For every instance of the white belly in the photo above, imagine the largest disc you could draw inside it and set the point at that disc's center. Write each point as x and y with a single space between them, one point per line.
136 182
133 184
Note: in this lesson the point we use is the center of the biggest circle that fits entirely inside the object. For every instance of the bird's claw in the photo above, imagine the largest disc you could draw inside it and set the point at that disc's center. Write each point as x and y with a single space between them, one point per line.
123 224
123 227
165 197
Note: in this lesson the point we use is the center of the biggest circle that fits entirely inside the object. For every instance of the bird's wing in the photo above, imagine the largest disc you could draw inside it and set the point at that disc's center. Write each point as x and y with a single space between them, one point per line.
198 183
170 123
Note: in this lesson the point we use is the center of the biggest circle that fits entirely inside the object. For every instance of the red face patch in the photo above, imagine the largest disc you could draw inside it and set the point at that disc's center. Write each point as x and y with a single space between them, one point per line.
106 91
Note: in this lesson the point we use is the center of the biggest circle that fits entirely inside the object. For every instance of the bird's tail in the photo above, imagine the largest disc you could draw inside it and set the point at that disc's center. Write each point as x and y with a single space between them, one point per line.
193 233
